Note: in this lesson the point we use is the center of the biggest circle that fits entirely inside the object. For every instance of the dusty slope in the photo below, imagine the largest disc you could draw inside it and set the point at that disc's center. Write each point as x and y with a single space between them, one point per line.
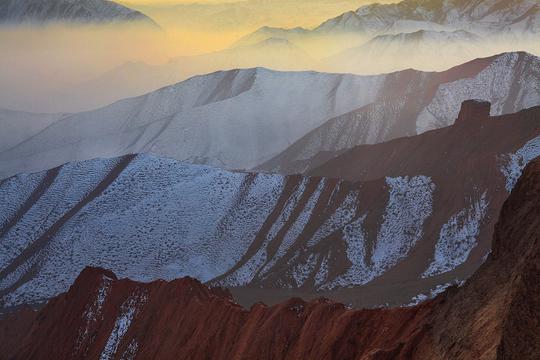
495 315
421 218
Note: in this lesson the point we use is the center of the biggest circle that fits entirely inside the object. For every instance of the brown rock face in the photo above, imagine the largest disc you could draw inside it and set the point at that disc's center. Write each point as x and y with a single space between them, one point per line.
495 315
474 110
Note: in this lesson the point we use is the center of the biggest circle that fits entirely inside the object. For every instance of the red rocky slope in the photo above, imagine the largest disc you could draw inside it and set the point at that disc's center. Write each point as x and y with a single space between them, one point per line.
495 315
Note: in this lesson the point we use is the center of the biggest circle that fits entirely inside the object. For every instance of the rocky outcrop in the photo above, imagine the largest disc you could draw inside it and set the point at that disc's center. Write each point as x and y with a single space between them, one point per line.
412 217
495 315
474 110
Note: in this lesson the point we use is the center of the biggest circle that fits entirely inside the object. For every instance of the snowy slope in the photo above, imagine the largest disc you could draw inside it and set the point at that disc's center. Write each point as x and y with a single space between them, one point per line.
146 217
496 19
412 103
17 126
79 11
233 119
151 218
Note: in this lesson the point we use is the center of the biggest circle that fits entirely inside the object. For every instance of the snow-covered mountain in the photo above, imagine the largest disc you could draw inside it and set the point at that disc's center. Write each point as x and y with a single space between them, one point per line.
477 16
420 219
232 119
134 79
102 316
77 11
515 22
241 119
412 102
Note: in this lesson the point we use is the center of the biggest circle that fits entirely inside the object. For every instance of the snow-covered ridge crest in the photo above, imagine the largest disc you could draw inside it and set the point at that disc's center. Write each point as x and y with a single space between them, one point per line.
234 119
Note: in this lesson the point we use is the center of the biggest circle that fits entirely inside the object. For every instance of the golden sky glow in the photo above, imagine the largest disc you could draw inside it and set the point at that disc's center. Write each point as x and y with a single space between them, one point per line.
40 65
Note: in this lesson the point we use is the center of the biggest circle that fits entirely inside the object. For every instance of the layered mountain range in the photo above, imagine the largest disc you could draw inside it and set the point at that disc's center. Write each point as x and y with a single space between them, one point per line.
204 119
405 50
411 102
493 316
137 78
477 16
215 218
481 17
399 230
426 35
72 11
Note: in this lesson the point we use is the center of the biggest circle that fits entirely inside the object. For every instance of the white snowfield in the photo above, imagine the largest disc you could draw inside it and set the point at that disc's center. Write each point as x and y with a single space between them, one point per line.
240 119
150 218
128 311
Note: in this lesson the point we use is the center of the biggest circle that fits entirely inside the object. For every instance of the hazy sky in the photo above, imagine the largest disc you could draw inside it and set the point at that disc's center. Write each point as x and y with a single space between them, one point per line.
39 66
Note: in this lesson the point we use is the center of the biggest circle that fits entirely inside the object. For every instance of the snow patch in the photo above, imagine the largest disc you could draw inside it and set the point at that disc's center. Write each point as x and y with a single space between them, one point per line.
128 311
512 165
410 204
439 289
297 228
457 238
340 218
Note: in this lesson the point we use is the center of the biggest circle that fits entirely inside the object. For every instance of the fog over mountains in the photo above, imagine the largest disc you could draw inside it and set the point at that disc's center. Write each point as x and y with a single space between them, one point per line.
483 17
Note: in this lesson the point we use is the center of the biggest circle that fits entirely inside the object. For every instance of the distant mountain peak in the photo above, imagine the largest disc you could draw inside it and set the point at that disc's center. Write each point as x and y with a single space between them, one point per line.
71 11
480 16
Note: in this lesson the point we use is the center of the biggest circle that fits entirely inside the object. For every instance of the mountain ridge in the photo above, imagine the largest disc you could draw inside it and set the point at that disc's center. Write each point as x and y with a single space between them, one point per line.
101 316
202 119
403 227
411 103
